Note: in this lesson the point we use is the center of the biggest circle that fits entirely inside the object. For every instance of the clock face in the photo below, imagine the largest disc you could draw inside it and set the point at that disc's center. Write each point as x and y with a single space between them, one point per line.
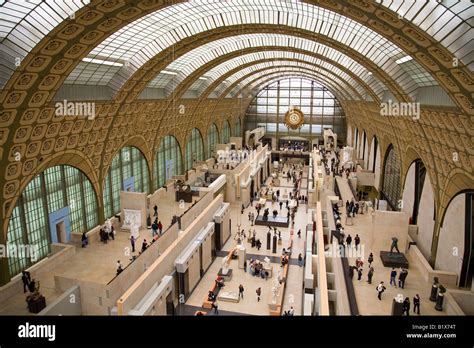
294 118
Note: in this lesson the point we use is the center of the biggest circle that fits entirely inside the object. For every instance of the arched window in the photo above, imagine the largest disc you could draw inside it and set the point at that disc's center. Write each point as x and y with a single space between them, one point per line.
237 128
391 178
168 160
194 149
128 172
212 139
226 132
320 108
60 195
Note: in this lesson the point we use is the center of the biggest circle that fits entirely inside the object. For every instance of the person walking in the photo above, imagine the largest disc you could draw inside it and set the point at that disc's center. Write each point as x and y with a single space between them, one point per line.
281 205
402 277
160 227
245 266
370 275
144 245
357 241
155 209
393 275
250 216
416 304
406 306
215 307
299 233
300 260
359 274
132 243
259 292
348 240
241 291
370 259
380 289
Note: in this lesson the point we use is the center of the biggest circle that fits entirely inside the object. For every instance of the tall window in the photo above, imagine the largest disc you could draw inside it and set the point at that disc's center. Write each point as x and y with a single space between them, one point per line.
168 160
194 149
237 128
129 168
320 107
56 188
212 139
391 178
226 132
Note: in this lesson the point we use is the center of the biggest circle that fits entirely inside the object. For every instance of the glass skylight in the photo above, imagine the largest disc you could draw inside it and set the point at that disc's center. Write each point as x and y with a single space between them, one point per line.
144 38
194 59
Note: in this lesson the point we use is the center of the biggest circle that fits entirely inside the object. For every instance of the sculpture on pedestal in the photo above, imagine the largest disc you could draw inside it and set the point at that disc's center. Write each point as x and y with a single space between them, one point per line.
225 265
394 246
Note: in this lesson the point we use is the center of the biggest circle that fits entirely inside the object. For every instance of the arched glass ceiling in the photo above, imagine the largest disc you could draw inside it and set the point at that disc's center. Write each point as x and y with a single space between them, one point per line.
24 23
142 39
196 58
200 85
340 80
246 75
286 58
447 21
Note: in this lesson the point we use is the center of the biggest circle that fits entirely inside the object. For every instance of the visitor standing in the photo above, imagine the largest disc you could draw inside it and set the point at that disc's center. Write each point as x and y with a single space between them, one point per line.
370 275
416 304
241 291
215 307
25 279
402 277
406 306
393 276
300 260
154 227
83 240
119 267
370 259
155 209
132 243
259 292
359 274
357 241
299 233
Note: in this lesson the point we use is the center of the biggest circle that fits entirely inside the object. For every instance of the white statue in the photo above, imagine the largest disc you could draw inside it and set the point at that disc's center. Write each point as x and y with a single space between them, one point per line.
274 294
108 226
225 265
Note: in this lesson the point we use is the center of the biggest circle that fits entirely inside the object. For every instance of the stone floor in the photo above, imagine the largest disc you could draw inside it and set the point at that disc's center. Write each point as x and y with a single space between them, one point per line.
294 285
95 263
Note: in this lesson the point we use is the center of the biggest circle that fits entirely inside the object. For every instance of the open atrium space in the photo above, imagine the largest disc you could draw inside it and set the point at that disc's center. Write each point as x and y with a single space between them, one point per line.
237 158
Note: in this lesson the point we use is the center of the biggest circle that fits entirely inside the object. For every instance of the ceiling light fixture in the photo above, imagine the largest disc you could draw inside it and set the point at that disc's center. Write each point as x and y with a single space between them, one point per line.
166 72
100 61
403 59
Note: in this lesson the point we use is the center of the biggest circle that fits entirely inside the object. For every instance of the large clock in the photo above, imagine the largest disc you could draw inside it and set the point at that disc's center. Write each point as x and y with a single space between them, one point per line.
294 118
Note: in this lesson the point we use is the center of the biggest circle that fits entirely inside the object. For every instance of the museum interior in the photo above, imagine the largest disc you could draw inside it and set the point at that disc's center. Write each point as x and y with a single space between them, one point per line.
241 157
